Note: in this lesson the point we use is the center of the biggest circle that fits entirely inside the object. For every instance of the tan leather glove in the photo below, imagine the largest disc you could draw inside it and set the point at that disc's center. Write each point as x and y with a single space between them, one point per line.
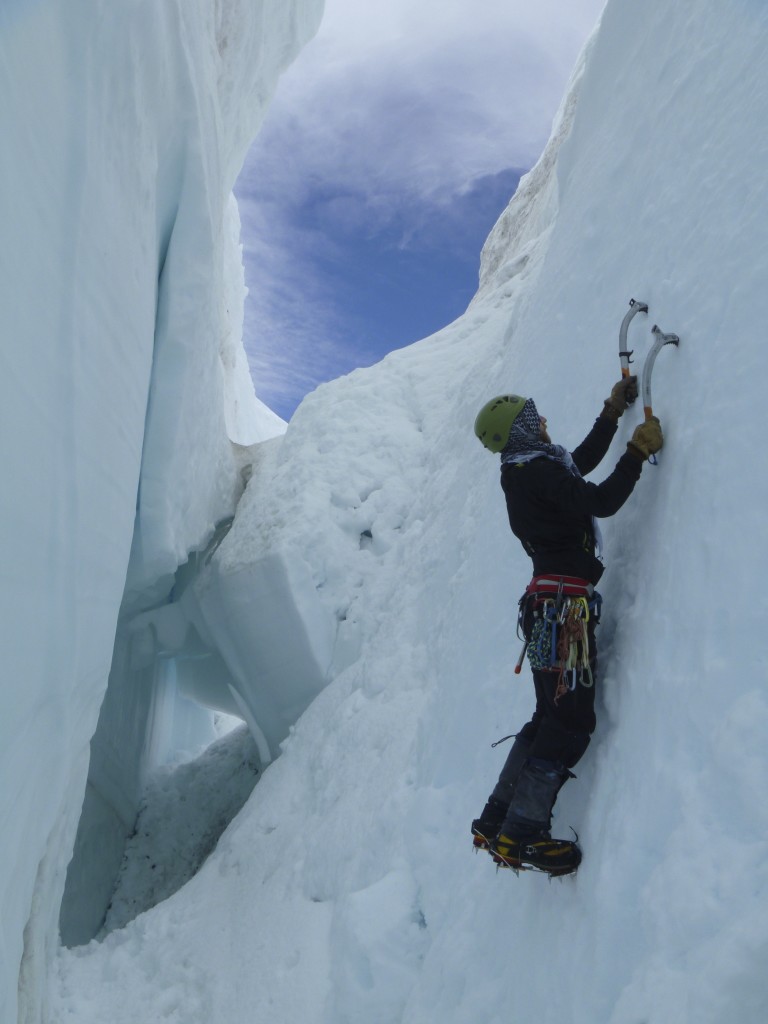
647 439
622 396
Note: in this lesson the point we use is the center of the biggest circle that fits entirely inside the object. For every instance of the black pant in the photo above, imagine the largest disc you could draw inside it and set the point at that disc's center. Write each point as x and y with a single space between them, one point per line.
561 726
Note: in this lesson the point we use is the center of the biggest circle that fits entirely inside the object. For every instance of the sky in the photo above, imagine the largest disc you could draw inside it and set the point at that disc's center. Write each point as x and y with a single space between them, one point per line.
391 147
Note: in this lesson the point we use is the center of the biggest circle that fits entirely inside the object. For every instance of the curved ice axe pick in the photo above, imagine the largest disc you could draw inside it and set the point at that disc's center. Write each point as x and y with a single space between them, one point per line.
661 339
624 352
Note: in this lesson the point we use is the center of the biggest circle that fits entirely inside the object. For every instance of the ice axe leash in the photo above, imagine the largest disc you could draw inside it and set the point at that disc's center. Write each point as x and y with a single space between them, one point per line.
625 354
660 340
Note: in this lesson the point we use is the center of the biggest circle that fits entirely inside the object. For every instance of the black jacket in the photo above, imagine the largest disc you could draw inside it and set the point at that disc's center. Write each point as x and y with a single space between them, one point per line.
550 509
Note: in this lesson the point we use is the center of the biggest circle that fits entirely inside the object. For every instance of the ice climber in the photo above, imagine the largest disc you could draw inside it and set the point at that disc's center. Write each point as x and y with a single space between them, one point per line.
553 512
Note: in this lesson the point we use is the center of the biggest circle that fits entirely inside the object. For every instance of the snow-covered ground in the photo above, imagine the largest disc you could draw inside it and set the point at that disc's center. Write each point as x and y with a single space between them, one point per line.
346 889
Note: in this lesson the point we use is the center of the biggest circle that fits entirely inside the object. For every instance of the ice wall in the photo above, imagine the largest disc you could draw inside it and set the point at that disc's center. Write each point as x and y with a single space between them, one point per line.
123 126
348 880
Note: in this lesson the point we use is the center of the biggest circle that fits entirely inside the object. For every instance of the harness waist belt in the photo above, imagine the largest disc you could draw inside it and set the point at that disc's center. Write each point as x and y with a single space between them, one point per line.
569 585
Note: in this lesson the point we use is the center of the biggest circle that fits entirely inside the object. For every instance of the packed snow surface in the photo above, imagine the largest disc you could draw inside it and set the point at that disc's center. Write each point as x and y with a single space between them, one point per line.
346 889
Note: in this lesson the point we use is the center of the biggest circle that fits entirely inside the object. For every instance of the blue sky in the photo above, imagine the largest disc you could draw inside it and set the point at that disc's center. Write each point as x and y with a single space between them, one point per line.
390 149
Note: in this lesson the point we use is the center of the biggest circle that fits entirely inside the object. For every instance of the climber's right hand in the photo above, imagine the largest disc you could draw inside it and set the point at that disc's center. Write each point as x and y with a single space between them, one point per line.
647 439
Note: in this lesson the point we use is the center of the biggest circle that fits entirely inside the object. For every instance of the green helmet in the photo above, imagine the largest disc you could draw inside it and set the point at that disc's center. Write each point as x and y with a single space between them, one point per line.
495 419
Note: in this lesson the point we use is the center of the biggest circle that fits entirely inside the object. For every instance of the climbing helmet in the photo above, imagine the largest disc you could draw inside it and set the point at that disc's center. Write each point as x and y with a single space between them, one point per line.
495 419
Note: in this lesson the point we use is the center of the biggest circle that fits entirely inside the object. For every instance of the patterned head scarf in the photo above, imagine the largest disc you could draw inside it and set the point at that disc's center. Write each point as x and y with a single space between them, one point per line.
525 441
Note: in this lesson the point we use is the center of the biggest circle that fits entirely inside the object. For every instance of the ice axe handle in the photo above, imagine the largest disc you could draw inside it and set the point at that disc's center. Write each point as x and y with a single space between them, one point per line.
661 339
625 354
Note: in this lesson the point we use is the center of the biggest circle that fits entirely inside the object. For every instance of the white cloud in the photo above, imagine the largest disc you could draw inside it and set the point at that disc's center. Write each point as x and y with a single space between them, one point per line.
393 107
425 95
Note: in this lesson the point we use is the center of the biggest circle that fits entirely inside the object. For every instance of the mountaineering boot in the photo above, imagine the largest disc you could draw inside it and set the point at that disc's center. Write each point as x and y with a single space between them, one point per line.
524 840
554 856
486 827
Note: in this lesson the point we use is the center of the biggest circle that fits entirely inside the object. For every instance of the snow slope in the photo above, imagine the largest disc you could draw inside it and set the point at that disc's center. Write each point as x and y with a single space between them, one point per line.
346 890
123 382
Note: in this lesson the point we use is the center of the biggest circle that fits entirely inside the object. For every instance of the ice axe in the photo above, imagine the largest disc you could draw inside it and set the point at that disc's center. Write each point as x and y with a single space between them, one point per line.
625 354
660 340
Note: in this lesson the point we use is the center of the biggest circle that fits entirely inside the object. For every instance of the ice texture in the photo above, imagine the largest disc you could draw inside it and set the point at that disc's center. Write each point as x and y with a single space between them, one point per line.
123 129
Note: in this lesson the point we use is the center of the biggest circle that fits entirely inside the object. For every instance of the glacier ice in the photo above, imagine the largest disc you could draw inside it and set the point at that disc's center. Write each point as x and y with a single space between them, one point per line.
123 133
346 884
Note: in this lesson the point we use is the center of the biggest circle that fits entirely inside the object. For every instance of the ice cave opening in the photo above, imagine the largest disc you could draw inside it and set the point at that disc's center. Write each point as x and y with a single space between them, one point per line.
167 692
